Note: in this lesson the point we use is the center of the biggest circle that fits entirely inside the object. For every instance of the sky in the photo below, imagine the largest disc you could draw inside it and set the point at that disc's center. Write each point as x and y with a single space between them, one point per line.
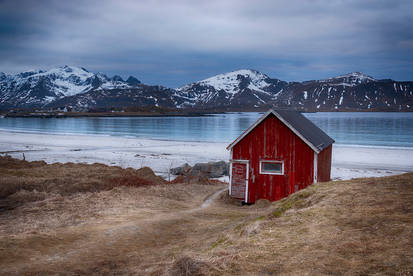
173 43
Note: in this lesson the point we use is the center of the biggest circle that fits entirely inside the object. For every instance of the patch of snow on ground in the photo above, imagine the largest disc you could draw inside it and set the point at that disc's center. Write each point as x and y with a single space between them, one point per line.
348 161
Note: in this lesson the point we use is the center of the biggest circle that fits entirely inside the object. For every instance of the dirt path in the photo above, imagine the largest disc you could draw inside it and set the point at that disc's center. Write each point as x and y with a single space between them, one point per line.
130 223
208 201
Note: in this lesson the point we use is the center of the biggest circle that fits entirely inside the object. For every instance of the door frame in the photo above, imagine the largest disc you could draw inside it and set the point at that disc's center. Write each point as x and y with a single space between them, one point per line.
247 163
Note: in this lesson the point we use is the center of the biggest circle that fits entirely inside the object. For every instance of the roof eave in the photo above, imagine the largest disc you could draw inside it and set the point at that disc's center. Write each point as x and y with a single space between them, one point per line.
265 115
296 132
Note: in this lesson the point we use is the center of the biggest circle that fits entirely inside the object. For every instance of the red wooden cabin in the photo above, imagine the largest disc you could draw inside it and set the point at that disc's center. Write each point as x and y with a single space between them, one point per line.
281 153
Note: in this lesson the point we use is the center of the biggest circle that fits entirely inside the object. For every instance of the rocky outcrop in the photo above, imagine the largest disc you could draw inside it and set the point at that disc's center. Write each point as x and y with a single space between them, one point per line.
181 170
209 170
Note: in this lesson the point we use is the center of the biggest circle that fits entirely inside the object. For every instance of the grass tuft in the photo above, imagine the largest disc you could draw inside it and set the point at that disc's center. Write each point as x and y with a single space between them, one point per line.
219 242
296 200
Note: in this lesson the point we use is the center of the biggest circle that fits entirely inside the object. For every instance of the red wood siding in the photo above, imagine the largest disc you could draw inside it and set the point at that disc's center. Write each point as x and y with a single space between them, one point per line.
324 164
272 140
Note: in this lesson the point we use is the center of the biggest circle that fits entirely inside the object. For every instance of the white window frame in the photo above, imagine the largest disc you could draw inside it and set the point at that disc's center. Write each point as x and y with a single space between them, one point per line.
272 161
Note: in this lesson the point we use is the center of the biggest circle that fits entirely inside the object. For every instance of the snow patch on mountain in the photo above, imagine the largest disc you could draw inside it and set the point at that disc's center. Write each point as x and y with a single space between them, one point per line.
229 82
65 81
358 76
350 79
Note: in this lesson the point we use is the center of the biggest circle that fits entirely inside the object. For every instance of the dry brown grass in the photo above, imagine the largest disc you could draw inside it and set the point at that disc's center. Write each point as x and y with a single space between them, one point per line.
69 178
91 219
358 227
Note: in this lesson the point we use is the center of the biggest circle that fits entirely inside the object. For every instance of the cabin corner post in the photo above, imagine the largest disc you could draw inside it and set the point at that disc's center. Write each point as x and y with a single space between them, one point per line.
315 166
230 172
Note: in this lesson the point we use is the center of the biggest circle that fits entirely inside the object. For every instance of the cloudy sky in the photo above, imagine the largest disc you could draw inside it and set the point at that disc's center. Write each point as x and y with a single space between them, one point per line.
176 42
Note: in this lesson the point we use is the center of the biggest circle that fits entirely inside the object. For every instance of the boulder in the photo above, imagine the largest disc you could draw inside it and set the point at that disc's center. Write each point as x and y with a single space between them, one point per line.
210 169
181 170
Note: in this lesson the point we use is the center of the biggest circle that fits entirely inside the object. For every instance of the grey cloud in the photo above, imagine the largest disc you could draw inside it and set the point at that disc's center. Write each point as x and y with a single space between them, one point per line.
172 42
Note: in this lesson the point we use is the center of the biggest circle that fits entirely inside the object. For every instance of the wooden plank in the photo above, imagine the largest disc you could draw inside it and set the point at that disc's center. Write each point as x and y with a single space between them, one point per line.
324 164
238 180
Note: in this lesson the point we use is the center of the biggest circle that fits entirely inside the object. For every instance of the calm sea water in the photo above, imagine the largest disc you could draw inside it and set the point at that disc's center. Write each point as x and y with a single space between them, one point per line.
369 129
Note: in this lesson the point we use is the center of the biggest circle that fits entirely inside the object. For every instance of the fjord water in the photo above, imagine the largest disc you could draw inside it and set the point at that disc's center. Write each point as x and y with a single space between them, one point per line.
353 128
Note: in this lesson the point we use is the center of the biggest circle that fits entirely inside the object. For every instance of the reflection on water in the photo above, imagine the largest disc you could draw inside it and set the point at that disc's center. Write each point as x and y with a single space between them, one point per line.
384 129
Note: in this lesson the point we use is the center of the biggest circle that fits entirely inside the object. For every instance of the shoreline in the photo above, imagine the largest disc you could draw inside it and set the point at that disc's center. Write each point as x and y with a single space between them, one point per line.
180 113
348 161
3 130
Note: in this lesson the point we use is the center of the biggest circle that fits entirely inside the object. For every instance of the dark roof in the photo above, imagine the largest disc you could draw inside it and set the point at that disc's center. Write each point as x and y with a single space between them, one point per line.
300 125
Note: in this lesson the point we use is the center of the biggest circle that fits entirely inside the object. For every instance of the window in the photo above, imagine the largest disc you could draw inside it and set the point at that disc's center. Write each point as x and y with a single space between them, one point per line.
271 167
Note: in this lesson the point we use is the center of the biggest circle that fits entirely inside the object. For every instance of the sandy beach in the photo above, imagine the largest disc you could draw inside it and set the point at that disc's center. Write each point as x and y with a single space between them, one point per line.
348 161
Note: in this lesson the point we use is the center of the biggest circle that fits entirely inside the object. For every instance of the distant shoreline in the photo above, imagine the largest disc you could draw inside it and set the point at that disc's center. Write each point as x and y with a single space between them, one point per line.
4 131
157 113
103 114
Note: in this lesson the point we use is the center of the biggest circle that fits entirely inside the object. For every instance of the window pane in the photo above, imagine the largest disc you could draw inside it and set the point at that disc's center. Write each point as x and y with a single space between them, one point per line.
271 167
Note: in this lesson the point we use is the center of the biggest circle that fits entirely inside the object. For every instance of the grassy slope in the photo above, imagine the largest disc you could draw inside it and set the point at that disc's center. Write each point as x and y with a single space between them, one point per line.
95 219
363 226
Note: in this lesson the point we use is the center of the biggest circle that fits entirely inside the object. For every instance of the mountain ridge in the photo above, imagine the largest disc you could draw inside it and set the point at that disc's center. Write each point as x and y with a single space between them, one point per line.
36 88
79 89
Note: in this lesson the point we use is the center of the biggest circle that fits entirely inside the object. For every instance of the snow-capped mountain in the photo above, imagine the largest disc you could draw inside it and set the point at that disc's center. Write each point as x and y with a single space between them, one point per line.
354 91
38 88
250 88
237 88
80 89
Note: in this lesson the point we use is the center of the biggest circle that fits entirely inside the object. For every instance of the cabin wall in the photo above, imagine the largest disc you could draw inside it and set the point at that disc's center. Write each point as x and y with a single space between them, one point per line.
272 140
324 164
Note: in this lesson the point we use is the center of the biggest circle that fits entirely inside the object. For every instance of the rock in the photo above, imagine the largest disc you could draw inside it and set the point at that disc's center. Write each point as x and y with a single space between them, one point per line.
210 169
181 170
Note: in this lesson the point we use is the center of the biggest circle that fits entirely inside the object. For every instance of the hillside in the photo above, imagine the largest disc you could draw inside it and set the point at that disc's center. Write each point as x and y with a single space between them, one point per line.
77 89
362 226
